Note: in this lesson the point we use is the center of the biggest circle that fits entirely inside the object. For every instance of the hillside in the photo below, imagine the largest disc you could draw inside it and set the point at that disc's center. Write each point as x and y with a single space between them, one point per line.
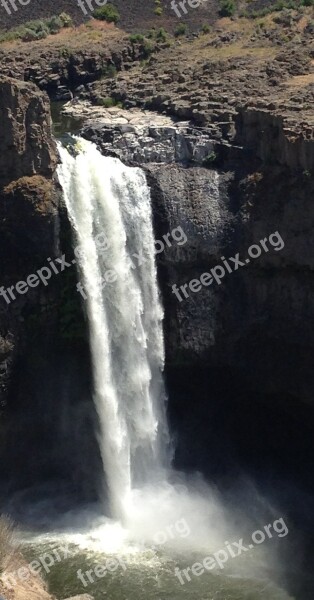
135 14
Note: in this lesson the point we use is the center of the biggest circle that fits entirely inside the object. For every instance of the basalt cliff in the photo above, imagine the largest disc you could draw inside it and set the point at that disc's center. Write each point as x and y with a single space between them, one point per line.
223 125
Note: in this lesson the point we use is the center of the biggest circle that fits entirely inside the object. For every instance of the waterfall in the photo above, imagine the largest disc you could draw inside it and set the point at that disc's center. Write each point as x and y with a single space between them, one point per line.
110 212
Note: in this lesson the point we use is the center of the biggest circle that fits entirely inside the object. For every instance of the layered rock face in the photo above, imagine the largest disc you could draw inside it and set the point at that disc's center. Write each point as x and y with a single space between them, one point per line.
239 349
25 138
44 357
255 317
275 138
140 137
29 202
87 56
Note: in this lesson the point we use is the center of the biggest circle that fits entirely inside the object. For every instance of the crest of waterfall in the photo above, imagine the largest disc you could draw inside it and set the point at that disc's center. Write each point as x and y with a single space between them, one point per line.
110 211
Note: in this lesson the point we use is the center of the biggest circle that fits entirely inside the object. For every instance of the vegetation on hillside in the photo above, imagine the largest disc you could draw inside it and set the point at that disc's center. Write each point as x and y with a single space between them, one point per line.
181 29
277 6
107 13
227 8
38 29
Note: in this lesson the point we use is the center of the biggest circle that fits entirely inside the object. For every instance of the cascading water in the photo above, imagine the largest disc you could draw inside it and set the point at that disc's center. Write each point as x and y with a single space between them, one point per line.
109 209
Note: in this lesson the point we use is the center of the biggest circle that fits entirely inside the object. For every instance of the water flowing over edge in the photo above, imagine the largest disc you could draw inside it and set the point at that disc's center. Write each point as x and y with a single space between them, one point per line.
110 212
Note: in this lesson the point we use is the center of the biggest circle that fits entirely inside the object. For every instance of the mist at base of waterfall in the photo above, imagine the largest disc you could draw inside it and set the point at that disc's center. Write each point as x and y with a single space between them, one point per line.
173 525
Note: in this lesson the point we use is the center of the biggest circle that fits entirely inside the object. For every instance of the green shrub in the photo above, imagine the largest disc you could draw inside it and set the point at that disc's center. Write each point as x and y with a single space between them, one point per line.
66 19
32 30
55 24
227 8
37 25
107 13
37 29
148 48
278 6
206 28
161 35
151 33
136 38
181 29
29 35
158 11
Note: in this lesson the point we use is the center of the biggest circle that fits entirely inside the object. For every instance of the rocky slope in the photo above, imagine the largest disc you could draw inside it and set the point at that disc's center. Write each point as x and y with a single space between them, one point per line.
249 84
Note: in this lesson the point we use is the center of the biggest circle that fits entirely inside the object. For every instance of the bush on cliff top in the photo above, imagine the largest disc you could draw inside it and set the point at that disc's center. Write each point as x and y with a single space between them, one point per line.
107 13
37 29
227 8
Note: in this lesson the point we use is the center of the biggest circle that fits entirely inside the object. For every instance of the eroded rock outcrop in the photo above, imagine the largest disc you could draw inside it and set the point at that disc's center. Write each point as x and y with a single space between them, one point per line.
25 137
139 137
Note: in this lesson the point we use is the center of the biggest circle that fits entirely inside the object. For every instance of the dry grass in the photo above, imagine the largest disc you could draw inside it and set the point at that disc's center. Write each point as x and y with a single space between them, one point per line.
11 560
6 541
300 80
201 49
73 37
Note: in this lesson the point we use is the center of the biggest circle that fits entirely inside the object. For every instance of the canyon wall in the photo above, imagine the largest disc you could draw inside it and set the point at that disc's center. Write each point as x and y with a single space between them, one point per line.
241 347
44 356
28 203
239 351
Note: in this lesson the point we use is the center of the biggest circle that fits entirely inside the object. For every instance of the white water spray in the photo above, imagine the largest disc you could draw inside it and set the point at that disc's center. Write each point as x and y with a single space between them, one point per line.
106 199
